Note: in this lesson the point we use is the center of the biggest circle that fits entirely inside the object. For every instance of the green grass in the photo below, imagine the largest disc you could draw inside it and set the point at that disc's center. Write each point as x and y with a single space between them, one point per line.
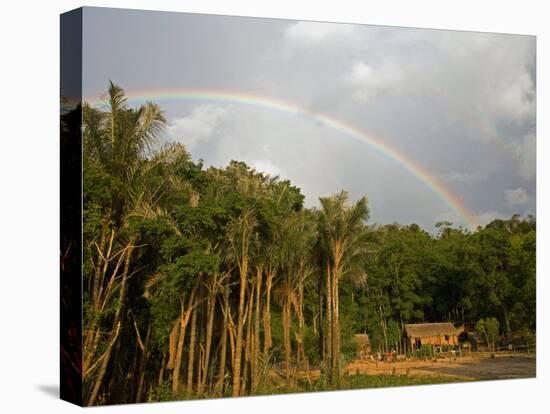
351 382
360 382
378 381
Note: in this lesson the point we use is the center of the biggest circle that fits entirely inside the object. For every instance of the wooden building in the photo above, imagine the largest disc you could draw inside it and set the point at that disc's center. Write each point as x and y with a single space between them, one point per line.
436 334
364 345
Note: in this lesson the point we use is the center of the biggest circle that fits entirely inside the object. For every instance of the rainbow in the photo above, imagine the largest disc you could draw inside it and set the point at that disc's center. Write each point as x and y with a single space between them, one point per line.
263 102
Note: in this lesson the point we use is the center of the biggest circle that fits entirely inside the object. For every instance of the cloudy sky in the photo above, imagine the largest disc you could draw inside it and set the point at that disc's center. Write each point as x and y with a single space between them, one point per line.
460 104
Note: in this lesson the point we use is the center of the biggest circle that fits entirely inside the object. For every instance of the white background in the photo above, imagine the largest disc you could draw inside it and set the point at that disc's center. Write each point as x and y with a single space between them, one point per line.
29 194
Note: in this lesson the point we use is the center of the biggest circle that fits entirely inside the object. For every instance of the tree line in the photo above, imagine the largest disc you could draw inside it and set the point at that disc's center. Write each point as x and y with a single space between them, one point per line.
202 282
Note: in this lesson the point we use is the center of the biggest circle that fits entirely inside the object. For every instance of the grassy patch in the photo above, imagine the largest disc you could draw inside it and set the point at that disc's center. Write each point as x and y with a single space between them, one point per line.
361 382
378 381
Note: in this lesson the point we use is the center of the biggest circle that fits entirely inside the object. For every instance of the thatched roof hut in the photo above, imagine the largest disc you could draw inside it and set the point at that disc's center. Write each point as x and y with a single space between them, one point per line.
437 334
422 330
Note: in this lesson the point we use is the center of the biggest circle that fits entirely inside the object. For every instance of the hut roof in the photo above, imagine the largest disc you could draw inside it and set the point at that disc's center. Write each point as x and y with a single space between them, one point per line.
420 330
362 339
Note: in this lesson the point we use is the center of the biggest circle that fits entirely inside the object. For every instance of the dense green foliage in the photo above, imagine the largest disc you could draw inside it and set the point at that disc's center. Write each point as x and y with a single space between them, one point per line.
199 281
488 328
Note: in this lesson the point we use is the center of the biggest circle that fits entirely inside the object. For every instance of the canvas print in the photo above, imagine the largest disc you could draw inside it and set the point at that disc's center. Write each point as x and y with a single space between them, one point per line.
263 206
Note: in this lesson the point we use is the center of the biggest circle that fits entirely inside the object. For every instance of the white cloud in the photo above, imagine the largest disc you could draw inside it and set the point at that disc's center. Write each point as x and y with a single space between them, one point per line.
201 124
316 31
517 197
486 217
266 167
361 73
478 81
368 81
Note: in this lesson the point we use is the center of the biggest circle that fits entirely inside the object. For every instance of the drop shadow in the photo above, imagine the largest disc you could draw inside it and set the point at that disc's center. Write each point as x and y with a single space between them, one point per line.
51 390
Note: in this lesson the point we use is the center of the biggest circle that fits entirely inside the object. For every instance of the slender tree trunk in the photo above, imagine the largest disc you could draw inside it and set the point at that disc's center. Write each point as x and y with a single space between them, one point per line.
117 323
223 356
95 282
336 334
240 325
184 320
268 342
192 345
103 368
336 273
232 333
248 349
92 335
286 331
329 353
178 356
286 340
201 357
256 353
302 361
321 318
209 326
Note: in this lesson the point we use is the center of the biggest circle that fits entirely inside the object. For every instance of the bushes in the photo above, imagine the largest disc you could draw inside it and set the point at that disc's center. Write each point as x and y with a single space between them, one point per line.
488 329
425 351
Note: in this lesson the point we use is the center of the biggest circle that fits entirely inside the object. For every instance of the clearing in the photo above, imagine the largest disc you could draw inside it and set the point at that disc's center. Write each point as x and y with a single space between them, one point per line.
470 367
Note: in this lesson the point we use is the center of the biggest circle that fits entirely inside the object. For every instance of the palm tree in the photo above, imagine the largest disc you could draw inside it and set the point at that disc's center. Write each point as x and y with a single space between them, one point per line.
341 231
115 142
239 237
296 240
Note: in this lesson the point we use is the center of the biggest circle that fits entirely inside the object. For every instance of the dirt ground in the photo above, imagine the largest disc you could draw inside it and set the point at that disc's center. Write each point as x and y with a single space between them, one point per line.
469 367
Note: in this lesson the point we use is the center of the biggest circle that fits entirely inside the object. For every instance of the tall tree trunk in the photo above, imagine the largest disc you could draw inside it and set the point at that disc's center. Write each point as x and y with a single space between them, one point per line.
337 271
328 362
117 322
211 303
92 335
336 334
178 355
184 320
101 259
286 333
322 351
201 356
231 330
103 368
192 345
268 342
256 353
223 355
248 349
240 325
302 361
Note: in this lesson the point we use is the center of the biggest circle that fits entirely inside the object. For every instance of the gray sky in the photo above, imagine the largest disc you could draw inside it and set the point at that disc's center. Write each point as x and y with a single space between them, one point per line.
460 104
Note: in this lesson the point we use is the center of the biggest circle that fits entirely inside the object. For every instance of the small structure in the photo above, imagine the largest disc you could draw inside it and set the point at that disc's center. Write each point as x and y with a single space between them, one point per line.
364 345
435 334
469 339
